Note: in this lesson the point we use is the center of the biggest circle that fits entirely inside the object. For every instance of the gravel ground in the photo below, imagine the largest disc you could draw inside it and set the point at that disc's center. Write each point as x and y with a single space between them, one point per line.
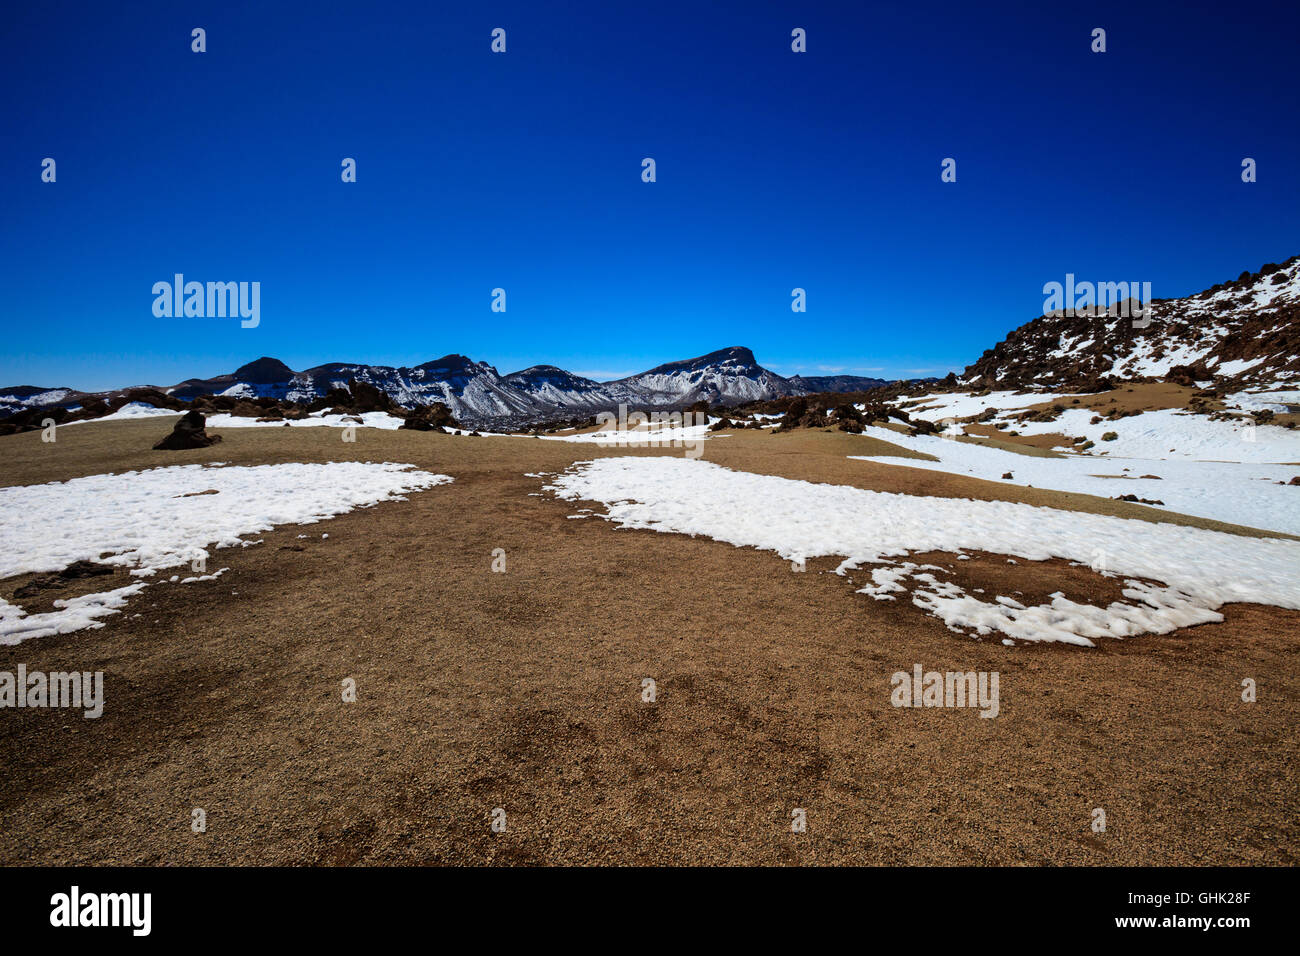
523 690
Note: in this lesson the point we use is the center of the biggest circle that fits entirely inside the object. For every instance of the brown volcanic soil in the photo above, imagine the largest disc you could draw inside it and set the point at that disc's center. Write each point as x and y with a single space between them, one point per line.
522 690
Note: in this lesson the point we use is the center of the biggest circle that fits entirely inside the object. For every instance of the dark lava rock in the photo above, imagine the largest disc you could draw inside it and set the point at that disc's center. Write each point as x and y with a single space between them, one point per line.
367 398
188 433
1141 501
425 418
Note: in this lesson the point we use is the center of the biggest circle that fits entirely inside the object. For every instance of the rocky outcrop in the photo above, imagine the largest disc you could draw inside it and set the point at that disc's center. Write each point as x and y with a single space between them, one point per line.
1233 334
425 418
188 433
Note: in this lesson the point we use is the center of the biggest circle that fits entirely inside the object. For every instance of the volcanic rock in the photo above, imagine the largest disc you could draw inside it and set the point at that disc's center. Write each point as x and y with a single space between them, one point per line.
435 417
188 433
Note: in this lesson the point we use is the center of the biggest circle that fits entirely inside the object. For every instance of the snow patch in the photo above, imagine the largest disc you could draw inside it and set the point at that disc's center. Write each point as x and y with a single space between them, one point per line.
154 519
1200 570
1238 493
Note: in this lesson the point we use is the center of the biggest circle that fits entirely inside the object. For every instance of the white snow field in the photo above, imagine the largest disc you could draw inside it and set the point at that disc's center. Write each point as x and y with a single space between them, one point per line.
652 435
1171 433
1283 398
1156 434
314 420
1200 570
941 405
128 412
137 410
167 517
1239 493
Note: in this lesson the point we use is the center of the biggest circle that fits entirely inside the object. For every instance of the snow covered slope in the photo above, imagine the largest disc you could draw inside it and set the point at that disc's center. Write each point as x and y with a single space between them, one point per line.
1239 333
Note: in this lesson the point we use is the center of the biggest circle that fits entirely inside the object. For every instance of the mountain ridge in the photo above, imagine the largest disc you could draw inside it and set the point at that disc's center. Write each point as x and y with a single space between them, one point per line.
476 392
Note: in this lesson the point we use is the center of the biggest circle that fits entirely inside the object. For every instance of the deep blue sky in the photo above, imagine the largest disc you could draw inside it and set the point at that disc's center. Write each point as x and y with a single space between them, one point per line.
522 170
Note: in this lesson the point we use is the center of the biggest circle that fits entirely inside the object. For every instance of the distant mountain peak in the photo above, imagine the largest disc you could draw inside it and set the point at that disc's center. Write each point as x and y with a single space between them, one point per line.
540 370
735 356
454 361
733 353
264 371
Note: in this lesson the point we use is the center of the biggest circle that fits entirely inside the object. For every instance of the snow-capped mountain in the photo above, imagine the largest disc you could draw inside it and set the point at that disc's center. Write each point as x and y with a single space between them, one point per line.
549 385
725 377
1244 332
472 390
476 393
263 378
19 398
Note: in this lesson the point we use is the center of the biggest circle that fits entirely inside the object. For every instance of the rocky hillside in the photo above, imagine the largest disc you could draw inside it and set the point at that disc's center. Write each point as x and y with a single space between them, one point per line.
1239 333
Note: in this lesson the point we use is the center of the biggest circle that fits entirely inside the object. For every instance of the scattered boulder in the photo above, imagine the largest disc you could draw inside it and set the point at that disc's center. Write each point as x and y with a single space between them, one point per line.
336 398
425 418
1103 383
1141 501
800 415
94 408
1187 375
188 433
368 398
246 409
146 396
1044 415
